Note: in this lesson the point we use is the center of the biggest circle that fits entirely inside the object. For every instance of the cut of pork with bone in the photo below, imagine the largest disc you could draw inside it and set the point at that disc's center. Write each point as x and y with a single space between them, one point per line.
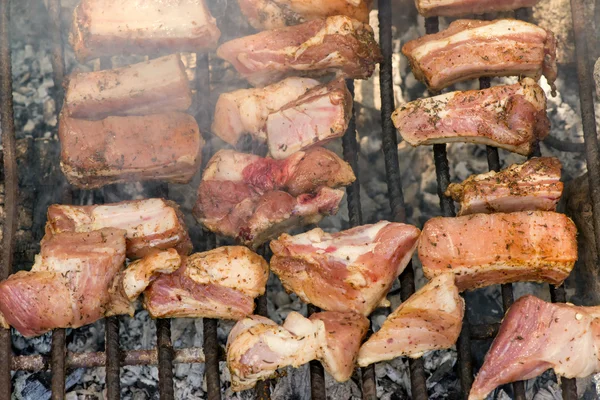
347 271
487 249
471 49
220 283
456 8
257 347
336 44
512 117
253 199
533 185
150 224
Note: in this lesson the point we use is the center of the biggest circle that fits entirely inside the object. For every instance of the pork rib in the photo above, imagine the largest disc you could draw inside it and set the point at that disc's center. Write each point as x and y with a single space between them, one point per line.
431 319
150 224
347 271
457 8
471 49
536 336
336 44
103 28
124 149
154 86
512 117
533 185
220 283
272 14
488 249
257 347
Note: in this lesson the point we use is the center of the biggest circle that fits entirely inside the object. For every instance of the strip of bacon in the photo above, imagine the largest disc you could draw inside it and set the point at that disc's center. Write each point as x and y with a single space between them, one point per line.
337 44
512 117
347 271
272 14
127 149
471 49
253 199
257 347
431 319
533 185
103 28
536 336
457 8
220 283
154 86
68 286
487 249
150 224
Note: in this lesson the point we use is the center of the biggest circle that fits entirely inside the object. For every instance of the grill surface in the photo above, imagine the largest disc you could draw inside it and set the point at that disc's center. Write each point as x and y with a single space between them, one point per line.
164 355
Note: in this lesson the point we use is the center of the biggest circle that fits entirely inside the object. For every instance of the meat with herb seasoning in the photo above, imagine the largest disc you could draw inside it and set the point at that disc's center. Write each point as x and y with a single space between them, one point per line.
487 249
512 117
536 336
272 14
150 224
220 283
336 44
350 270
431 319
253 199
165 147
533 185
456 8
472 48
154 86
103 28
257 347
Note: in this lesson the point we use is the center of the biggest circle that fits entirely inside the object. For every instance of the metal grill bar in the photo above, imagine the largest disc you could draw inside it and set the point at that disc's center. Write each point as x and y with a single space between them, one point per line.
58 353
263 388
165 359
317 373
113 376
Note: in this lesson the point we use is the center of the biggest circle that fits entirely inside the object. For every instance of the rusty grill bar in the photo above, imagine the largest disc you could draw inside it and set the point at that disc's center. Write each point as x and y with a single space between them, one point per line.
164 355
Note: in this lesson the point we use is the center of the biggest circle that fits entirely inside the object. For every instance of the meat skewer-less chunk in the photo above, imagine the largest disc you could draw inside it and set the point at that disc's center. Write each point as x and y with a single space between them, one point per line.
151 224
220 283
336 44
431 319
536 336
512 117
253 199
164 147
457 8
103 28
533 185
154 86
257 347
346 271
471 49
487 249
68 286
272 14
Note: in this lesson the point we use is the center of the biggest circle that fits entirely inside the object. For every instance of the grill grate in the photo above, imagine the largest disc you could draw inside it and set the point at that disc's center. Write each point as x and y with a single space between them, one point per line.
164 355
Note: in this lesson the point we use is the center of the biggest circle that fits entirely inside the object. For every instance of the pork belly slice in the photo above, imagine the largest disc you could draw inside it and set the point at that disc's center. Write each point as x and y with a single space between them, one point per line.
220 283
272 14
104 28
165 147
257 347
487 249
68 286
150 87
317 117
536 336
431 319
533 185
512 117
472 48
253 199
246 110
346 271
151 224
336 44
457 8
